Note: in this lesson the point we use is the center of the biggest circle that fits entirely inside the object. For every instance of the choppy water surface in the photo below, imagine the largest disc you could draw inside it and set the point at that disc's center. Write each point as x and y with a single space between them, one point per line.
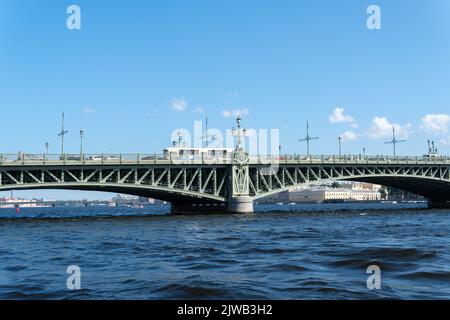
281 252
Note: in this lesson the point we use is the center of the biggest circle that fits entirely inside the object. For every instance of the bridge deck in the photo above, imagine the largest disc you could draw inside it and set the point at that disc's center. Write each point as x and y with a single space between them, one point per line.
88 160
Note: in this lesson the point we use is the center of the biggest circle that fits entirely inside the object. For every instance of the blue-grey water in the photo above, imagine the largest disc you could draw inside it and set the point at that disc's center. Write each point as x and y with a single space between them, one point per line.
280 252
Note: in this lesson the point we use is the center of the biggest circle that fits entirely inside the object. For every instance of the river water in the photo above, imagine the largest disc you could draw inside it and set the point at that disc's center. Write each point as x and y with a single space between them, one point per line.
280 252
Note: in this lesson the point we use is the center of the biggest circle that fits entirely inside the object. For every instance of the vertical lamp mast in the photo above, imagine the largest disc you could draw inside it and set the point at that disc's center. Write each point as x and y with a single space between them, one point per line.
308 139
394 141
81 143
62 134
206 133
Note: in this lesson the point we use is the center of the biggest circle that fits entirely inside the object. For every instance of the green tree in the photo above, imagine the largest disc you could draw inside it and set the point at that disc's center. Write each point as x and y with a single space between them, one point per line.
336 185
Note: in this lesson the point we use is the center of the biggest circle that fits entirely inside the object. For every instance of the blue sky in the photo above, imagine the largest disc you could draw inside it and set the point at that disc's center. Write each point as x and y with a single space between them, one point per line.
279 62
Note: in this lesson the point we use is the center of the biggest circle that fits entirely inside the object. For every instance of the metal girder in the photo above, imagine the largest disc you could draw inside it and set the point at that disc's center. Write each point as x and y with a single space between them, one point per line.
213 182
208 182
292 176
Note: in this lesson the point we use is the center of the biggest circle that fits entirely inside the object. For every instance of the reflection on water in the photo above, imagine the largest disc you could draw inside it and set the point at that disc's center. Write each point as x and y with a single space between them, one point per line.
281 252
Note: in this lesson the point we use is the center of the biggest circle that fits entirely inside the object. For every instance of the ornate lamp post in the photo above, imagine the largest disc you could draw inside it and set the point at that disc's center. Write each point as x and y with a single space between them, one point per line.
239 133
180 138
239 200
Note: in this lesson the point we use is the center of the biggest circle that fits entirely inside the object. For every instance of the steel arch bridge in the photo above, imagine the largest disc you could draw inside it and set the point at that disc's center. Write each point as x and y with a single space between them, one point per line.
222 184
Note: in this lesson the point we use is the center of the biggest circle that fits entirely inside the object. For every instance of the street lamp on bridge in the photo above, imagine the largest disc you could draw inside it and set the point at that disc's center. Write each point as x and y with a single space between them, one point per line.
180 139
62 135
394 141
207 137
81 143
340 146
239 133
308 139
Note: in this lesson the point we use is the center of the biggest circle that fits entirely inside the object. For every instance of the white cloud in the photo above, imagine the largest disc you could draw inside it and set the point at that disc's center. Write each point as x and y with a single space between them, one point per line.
179 104
339 116
435 123
349 136
354 125
235 113
382 128
226 114
199 110
89 110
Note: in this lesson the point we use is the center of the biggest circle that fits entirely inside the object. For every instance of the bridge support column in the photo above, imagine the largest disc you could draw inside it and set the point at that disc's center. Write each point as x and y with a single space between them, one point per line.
239 201
439 205
240 205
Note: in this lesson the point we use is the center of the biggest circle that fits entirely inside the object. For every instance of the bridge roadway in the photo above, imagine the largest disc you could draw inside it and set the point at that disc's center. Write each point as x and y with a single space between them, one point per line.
221 184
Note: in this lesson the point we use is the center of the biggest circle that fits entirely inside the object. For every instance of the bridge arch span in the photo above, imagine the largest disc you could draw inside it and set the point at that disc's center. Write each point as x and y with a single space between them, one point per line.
428 188
171 195
221 183
432 183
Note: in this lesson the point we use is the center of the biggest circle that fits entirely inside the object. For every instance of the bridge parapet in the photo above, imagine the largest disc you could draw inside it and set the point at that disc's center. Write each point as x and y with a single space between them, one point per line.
158 159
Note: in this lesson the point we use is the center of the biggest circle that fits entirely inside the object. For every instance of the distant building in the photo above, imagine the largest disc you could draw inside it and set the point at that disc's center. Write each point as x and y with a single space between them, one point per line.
23 203
318 195
348 191
365 195
358 186
124 199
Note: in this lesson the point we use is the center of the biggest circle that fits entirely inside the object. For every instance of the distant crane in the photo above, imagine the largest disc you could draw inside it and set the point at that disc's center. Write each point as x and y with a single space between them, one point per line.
62 134
394 141
308 139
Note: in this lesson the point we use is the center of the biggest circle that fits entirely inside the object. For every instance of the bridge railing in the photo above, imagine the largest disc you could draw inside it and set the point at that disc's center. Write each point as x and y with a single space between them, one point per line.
133 159
353 159
105 159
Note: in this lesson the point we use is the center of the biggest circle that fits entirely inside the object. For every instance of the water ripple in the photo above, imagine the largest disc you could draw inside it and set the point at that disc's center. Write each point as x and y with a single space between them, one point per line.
296 252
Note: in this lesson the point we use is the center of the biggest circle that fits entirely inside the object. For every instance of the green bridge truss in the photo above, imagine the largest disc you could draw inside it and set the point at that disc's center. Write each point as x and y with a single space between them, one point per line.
224 184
